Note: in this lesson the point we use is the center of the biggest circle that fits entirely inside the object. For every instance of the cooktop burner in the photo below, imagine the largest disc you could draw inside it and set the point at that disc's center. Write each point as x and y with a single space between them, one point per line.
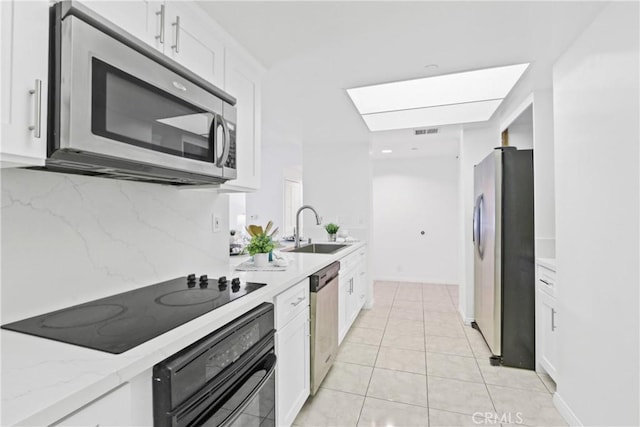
188 297
120 322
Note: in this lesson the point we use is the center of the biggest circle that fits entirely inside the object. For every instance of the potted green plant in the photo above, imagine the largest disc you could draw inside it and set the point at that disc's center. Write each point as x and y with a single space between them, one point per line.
261 243
332 229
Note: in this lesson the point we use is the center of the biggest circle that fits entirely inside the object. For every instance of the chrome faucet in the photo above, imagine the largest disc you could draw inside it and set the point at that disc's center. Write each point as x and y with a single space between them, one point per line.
296 231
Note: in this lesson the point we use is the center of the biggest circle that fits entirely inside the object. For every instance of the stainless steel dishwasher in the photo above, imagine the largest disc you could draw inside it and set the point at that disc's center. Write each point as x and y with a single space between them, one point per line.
324 322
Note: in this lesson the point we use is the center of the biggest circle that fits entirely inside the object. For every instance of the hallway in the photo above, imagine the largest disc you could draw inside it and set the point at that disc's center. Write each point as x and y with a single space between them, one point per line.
410 361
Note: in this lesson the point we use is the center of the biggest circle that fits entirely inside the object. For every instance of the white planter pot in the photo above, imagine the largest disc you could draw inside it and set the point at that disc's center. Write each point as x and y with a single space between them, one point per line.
261 260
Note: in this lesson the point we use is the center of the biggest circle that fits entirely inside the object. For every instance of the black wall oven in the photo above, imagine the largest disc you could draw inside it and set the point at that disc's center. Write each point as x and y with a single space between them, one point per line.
225 379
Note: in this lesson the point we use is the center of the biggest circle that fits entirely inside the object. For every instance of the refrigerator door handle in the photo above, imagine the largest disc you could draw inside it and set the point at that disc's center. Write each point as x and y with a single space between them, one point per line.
475 222
477 225
480 242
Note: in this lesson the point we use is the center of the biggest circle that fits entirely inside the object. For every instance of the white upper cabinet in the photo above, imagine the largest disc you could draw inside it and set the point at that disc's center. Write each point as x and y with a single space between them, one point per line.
177 29
191 41
184 32
243 81
136 17
25 35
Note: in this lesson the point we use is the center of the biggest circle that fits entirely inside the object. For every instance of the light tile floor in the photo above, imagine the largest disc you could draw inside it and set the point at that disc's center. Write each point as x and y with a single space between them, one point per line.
410 361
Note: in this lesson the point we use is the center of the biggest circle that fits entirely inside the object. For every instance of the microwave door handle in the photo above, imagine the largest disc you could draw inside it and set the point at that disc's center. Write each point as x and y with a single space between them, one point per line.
212 138
226 143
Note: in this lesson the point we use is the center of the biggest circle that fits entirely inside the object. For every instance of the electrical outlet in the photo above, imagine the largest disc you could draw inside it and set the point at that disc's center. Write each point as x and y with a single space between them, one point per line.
215 223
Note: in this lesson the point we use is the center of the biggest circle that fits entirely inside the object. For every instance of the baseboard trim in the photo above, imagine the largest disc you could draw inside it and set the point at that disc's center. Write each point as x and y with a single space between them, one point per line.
411 280
565 411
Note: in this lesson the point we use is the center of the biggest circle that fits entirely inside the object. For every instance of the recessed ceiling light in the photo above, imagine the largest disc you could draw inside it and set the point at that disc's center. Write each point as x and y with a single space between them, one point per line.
386 151
479 92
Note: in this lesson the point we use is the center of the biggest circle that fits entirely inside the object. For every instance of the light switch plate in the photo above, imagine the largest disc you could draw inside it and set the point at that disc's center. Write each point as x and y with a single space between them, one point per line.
215 223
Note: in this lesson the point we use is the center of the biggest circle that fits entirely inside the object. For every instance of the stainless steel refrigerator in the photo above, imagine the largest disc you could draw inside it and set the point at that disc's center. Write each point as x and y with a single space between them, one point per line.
504 269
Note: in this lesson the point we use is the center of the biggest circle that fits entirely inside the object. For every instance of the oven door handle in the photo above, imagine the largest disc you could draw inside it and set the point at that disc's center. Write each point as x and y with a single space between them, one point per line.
198 414
270 365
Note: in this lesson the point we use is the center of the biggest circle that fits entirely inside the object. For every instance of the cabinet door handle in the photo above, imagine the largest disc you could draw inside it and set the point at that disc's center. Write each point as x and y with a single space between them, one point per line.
553 319
37 109
546 282
298 301
160 37
176 26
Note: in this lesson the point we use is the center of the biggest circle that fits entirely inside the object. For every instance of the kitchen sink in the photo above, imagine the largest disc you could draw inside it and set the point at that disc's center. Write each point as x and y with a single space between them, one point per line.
317 248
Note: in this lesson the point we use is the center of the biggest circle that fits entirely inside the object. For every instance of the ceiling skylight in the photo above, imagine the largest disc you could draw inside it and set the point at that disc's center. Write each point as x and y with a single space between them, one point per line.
472 96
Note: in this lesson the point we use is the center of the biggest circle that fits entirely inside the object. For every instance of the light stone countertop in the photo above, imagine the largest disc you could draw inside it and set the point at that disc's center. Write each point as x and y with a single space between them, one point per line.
44 380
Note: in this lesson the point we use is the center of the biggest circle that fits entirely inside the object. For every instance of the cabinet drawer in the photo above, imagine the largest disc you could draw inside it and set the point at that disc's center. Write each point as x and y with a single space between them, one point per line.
291 302
351 260
546 280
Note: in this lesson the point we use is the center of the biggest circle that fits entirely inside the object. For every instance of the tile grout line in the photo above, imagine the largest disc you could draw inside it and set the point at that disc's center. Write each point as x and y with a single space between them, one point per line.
366 392
426 367
486 386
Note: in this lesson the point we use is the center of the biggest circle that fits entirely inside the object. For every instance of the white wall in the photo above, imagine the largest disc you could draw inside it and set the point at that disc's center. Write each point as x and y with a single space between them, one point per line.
521 130
237 212
68 239
533 128
536 90
475 144
337 183
278 160
543 174
410 196
596 110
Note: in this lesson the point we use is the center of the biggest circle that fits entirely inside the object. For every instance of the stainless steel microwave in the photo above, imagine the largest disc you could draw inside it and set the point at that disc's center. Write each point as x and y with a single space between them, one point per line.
120 109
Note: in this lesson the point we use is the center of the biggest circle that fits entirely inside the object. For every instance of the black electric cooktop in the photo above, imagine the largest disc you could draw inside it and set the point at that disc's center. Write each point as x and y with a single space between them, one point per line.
120 322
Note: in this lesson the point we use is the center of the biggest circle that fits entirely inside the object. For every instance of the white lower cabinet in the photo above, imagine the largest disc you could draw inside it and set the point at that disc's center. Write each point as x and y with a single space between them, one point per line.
353 290
346 302
546 322
361 279
293 351
130 404
293 369
114 408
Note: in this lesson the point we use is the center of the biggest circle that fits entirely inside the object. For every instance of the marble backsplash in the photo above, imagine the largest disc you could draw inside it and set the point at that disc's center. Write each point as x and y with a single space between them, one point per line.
67 239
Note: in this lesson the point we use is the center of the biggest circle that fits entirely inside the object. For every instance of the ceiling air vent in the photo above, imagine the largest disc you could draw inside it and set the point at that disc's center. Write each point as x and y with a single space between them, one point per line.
426 131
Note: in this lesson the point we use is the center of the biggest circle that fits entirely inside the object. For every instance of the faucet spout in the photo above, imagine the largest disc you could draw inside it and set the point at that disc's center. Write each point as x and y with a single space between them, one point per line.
296 232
